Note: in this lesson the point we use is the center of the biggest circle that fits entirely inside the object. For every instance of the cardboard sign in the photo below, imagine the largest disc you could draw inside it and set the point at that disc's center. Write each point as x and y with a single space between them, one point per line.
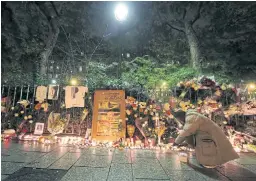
39 128
109 115
74 96
41 92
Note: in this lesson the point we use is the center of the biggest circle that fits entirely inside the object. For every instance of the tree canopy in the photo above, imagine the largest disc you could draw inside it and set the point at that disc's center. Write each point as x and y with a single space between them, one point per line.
60 40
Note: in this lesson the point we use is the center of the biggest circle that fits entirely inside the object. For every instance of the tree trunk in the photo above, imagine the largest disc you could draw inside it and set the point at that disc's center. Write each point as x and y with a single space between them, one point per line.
44 56
195 52
51 14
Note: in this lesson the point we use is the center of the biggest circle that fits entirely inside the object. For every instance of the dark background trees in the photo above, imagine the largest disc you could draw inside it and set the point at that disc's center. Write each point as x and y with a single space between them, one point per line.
59 40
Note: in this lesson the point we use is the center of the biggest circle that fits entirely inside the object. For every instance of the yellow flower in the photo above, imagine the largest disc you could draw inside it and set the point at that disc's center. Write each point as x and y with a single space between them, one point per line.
218 93
16 114
29 117
85 111
22 112
128 112
12 108
166 106
135 115
223 87
25 117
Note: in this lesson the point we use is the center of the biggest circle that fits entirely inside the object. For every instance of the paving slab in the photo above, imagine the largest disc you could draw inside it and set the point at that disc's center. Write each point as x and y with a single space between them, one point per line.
120 172
4 177
148 169
252 168
94 161
209 174
29 174
235 170
249 158
10 167
242 179
172 162
74 163
185 175
121 159
143 153
125 152
66 161
86 174
48 159
22 156
138 179
99 151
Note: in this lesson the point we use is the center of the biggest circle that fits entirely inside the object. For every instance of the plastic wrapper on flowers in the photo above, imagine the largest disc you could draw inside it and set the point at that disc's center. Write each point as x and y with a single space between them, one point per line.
56 125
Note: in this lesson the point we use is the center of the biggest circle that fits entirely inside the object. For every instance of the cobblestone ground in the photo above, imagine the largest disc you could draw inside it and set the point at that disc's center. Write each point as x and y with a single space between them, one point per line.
33 161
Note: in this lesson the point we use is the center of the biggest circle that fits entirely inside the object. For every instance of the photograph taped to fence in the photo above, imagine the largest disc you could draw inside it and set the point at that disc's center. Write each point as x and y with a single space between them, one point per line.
53 92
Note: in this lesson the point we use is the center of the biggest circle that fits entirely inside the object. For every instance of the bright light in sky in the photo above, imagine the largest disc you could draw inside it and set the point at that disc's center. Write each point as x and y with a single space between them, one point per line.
121 12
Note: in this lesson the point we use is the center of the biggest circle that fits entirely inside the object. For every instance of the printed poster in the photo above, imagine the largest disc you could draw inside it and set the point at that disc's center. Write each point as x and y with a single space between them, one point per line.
109 115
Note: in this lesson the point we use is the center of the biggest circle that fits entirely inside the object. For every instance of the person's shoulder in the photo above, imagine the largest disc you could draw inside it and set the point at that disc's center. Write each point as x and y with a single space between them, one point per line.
192 115
191 112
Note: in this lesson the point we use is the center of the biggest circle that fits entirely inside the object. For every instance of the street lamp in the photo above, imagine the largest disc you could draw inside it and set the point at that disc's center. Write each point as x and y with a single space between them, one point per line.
252 86
73 81
54 81
121 12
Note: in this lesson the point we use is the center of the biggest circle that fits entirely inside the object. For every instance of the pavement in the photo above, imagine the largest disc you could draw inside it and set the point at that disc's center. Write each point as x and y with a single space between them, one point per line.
33 161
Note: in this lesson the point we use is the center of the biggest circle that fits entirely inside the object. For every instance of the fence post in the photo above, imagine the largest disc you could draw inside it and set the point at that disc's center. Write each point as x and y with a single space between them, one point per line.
21 90
27 93
33 98
8 91
14 97
3 90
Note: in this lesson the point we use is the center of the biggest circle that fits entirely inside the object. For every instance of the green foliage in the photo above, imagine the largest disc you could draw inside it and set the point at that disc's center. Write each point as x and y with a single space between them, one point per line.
148 74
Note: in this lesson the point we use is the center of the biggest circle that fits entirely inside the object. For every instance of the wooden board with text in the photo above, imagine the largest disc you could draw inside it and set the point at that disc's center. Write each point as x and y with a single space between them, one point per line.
109 115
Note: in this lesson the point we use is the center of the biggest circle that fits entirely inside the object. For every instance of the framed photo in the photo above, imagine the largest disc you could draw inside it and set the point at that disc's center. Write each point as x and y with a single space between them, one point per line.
39 128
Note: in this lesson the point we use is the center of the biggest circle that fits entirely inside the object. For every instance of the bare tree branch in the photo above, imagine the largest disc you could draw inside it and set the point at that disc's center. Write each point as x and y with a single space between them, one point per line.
168 24
175 28
198 13
55 9
184 14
